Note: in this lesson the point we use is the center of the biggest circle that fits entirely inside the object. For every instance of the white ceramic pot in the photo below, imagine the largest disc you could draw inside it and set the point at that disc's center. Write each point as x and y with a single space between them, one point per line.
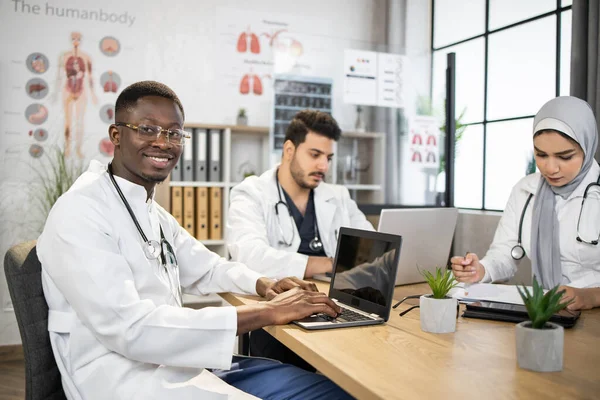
242 121
540 349
438 315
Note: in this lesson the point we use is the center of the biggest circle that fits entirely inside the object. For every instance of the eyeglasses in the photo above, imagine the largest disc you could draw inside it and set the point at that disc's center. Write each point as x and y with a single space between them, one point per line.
414 296
417 296
152 132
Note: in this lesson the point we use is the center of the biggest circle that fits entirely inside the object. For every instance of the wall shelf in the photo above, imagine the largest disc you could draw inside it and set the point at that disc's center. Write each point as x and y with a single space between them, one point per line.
233 128
246 149
213 242
363 135
197 184
362 187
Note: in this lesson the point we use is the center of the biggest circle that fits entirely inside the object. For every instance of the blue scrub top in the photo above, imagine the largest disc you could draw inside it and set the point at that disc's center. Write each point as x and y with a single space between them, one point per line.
305 224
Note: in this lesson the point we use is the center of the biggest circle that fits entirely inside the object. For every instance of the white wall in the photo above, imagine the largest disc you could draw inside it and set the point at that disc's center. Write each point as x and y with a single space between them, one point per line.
183 44
417 183
409 34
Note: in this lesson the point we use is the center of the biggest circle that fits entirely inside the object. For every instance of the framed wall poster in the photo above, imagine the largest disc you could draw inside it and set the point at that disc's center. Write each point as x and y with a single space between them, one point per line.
293 94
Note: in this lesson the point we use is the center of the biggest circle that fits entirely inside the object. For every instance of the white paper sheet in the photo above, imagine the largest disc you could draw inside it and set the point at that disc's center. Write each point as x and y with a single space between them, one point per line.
488 291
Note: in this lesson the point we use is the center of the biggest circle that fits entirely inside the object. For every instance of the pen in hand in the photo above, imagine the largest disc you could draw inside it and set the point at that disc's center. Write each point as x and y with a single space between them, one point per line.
466 284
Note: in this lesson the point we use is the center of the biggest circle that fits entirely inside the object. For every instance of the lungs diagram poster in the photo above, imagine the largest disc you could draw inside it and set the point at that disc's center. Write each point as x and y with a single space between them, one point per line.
424 136
255 47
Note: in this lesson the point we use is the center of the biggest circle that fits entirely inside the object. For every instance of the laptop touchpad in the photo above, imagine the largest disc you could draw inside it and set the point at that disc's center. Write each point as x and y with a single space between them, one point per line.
317 318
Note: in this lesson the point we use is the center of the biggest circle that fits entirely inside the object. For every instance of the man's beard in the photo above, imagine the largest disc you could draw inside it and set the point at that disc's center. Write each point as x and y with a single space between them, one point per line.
155 179
299 176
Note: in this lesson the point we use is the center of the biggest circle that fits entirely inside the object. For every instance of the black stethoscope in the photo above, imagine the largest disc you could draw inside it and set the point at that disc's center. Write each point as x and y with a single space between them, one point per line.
152 248
315 244
518 252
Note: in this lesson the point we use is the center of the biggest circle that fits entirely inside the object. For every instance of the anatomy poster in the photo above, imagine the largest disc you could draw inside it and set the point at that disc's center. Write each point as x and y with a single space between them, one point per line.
60 82
424 135
255 47
63 65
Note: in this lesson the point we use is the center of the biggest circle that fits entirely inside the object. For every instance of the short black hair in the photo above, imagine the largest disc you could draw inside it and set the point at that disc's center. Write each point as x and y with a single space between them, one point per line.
311 120
132 93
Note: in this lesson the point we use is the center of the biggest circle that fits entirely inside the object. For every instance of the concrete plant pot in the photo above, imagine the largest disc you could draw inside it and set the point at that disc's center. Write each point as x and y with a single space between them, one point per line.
438 315
241 120
540 350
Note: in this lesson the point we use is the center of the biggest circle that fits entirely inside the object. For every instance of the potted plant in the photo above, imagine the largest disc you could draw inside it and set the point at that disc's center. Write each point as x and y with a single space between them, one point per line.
53 178
242 118
539 342
438 310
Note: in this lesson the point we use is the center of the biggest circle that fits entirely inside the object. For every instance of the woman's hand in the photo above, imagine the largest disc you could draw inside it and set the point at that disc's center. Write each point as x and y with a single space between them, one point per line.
467 269
581 299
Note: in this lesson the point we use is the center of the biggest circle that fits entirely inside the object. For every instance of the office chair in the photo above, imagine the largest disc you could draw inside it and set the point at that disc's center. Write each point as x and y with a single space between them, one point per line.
24 278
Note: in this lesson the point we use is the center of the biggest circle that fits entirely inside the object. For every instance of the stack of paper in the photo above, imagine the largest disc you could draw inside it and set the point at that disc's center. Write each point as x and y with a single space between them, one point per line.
488 292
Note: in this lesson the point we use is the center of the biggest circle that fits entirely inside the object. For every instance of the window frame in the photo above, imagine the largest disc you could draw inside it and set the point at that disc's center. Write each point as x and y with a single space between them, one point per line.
558 12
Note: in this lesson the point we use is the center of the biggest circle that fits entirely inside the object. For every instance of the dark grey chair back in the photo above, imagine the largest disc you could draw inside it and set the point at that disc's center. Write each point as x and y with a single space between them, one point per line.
24 277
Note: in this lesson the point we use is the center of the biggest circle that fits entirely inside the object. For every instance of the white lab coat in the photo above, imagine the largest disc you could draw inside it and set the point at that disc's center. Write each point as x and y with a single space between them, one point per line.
254 230
580 261
115 327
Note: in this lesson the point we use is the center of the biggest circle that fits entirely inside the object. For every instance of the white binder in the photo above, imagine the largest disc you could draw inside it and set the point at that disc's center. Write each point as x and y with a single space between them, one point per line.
215 155
200 155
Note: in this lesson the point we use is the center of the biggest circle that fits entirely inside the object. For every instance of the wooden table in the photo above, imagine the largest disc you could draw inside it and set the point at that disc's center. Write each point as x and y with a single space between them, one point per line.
399 361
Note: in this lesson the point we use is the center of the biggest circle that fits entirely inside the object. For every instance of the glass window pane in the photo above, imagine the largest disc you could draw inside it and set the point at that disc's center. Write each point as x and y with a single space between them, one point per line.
468 168
521 69
456 20
506 12
565 52
470 68
565 3
509 157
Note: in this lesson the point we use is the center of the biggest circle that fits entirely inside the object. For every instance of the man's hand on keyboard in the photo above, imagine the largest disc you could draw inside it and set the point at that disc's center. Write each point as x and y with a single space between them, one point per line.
298 303
286 284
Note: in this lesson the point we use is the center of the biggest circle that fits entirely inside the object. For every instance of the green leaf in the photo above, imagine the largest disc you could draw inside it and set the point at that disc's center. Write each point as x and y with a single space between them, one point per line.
440 283
54 176
540 307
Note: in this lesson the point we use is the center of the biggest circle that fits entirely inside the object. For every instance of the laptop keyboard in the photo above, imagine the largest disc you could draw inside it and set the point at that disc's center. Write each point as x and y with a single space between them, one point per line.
348 315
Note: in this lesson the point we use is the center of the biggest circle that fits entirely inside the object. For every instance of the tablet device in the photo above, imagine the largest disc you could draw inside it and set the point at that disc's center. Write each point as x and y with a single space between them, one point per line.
515 313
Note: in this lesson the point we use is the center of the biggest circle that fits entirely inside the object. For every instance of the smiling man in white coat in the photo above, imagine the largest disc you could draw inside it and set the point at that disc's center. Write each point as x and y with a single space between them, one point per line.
286 221
115 264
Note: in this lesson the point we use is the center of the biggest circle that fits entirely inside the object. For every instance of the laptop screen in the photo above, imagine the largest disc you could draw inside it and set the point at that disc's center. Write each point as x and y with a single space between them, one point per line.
365 268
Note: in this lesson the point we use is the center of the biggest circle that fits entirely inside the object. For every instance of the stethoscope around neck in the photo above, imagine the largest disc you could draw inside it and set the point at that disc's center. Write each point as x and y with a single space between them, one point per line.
315 244
153 249
518 252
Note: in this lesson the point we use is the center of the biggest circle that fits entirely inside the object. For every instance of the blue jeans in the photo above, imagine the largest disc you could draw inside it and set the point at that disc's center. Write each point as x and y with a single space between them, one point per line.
271 380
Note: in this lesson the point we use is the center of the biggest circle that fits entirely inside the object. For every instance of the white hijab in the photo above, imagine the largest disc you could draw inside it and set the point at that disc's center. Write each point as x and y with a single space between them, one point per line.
574 118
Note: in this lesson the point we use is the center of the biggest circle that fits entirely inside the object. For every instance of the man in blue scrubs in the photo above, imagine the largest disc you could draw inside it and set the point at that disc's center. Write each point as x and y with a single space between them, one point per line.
286 221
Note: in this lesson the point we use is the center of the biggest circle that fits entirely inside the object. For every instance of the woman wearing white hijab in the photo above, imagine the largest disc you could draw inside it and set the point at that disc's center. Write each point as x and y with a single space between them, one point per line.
563 250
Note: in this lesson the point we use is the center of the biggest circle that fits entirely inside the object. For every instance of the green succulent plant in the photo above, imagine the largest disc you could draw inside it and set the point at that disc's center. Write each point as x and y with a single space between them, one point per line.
54 178
531 166
440 283
540 306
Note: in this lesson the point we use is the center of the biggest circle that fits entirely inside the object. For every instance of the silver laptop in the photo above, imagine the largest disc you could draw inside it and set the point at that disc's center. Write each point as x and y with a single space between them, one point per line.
362 282
427 237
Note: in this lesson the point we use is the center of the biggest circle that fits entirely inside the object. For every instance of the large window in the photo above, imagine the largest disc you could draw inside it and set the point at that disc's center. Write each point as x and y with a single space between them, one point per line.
511 57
